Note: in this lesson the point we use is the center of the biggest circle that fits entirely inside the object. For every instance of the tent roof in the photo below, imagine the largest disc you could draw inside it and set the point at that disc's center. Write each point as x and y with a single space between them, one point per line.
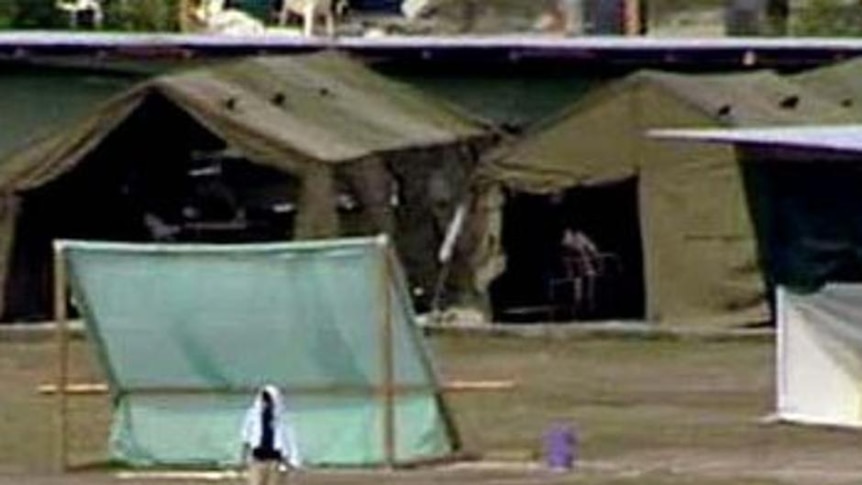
839 81
280 111
747 99
331 109
844 138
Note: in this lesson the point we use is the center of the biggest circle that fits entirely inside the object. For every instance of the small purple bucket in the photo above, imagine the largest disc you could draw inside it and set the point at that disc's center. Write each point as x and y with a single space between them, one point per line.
561 443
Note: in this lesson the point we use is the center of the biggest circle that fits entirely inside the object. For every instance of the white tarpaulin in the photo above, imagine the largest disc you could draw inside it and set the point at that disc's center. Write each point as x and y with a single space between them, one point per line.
819 360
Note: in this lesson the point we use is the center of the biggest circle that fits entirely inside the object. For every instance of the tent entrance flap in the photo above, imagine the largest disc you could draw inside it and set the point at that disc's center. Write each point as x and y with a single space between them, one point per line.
572 255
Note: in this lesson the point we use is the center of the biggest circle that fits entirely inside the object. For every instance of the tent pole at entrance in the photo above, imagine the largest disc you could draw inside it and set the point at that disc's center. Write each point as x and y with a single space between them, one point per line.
444 256
387 364
62 337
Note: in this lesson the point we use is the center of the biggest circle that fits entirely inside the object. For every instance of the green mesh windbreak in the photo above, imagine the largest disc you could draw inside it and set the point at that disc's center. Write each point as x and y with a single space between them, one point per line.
186 333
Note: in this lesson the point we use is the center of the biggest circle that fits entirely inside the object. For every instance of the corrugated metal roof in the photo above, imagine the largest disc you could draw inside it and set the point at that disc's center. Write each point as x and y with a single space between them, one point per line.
511 48
103 39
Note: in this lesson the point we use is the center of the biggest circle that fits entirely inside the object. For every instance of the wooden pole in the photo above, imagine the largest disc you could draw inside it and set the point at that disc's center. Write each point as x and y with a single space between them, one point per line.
387 363
632 17
62 336
438 391
101 388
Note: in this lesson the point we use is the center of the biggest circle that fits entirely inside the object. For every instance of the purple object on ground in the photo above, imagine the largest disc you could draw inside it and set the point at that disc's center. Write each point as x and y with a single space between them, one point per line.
560 447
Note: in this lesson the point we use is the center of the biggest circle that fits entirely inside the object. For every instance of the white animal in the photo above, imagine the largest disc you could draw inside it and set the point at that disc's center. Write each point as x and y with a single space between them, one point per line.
76 7
311 10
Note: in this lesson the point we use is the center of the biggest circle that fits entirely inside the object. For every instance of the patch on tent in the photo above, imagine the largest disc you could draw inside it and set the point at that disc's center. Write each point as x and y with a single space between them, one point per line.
187 332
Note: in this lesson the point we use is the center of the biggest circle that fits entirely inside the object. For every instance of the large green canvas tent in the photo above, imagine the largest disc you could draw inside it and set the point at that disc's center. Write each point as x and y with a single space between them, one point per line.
675 216
338 148
328 322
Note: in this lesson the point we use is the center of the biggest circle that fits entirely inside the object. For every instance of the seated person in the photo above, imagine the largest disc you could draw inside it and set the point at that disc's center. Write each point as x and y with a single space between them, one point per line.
582 250
309 11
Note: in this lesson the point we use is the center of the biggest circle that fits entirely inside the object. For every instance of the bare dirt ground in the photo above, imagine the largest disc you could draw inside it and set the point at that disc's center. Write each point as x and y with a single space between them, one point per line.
665 411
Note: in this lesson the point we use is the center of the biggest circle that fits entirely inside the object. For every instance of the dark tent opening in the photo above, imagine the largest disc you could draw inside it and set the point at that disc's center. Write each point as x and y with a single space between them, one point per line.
159 177
808 217
574 255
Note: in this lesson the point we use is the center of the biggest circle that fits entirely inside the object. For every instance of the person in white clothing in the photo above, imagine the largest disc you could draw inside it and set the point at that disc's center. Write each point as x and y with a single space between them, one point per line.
268 441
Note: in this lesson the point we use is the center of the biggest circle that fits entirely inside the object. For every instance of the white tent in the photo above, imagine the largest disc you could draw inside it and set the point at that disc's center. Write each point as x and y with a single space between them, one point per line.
819 356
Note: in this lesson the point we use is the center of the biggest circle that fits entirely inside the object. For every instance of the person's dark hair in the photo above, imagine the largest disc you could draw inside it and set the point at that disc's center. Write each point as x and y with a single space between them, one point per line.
266 399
